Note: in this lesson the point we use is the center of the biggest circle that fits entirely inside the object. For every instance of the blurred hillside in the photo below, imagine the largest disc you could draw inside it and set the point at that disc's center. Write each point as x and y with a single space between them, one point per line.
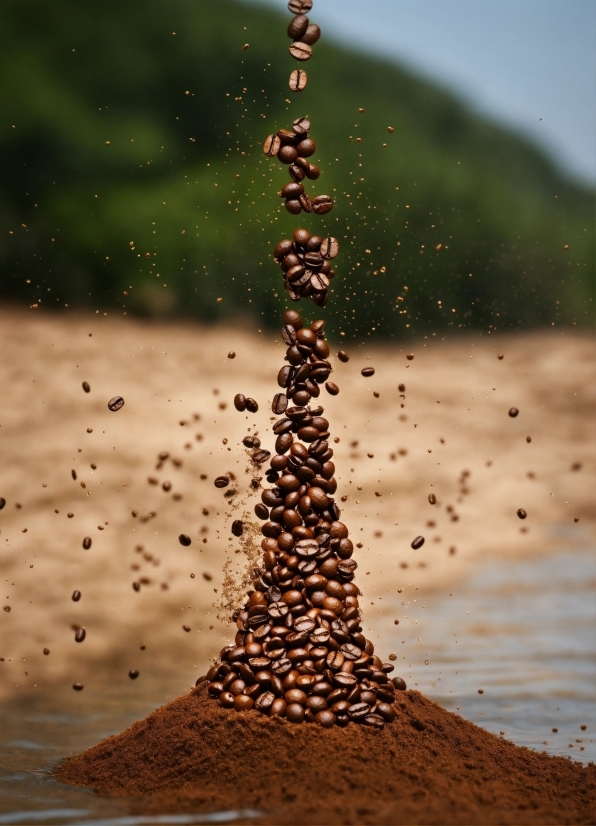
132 177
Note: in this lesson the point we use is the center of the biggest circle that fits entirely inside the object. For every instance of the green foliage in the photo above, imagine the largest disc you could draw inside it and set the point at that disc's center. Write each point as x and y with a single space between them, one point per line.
132 177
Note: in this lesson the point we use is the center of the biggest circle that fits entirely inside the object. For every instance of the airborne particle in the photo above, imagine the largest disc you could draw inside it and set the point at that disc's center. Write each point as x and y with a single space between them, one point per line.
86 386
185 540
116 403
513 412
133 673
418 542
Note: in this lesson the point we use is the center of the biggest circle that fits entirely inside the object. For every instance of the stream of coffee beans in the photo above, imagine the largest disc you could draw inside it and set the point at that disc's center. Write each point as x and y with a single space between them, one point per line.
299 650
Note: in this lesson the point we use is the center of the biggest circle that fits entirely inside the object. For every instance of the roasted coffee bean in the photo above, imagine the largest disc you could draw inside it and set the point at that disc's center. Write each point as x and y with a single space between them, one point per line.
296 173
76 595
298 27
280 403
374 720
432 499
301 126
265 701
399 683
295 713
311 35
300 6
522 513
80 634
282 249
2 503
322 204
281 667
251 405
251 441
325 718
312 173
278 708
284 375
221 482
86 386
306 146
305 203
237 527
277 610
271 145
513 412
260 456
184 539
368 371
300 51
261 511
298 80
343 356
329 247
240 402
418 542
358 711
117 402
87 543
287 154
292 190
78 686
294 206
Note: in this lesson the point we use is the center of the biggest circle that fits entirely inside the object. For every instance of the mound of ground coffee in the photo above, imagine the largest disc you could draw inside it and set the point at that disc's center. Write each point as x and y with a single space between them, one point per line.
428 766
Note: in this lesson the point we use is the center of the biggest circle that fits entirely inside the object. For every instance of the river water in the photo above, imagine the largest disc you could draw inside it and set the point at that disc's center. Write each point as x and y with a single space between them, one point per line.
521 631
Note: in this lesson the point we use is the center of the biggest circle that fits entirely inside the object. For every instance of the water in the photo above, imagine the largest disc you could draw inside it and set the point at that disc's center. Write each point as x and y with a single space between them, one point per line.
522 631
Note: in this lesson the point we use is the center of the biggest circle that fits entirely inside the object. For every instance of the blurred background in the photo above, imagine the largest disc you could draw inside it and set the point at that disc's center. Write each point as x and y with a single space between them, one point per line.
130 156
137 220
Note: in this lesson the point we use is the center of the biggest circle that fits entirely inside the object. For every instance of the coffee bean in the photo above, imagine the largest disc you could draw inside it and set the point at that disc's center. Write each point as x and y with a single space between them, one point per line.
418 542
78 686
294 207
221 482
76 595
73 473
226 698
292 190
265 701
287 154
402 388
322 204
312 173
513 412
261 511
80 634
301 126
374 720
300 51
286 136
2 503
298 80
133 673
116 403
432 498
298 27
300 6
329 247
240 402
305 148
251 405
296 173
282 248
237 527
311 35
522 513
231 354
343 356
251 441
278 708
87 543
331 388
358 711
325 718
368 371
86 386
410 356
271 145
305 203
280 403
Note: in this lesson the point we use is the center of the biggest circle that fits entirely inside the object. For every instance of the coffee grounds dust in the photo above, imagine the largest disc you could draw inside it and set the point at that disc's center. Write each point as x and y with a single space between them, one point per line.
428 767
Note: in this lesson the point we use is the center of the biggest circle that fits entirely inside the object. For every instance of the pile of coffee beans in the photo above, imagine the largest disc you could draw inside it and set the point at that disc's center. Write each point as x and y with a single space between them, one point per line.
305 262
299 651
292 147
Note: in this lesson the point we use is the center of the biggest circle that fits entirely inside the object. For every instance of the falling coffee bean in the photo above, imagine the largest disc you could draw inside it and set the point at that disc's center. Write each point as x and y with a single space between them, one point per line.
80 634
417 543
240 402
237 527
184 539
133 673
432 498
280 403
231 354
368 371
513 412
87 543
331 388
78 686
322 204
311 35
271 145
343 356
298 27
410 356
301 126
251 405
86 386
521 513
116 403
76 595
300 51
298 80
221 482
329 247
300 6
261 511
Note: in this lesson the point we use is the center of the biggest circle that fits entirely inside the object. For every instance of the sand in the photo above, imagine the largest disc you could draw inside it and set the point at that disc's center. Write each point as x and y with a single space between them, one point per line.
428 767
178 386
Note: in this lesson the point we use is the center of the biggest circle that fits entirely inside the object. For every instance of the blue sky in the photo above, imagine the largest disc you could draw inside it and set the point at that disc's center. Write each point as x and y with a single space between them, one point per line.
528 63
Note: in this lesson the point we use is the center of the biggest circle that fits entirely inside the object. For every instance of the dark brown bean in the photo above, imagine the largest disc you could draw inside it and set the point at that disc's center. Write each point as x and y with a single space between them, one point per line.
343 356
312 173
329 247
251 441
260 456
240 402
185 540
325 718
522 513
432 499
298 80
221 482
368 371
311 35
287 154
513 412
332 388
301 126
133 673
76 595
261 511
292 190
418 542
300 51
116 403
294 206
399 683
78 686
87 543
86 386
251 405
280 403
2 503
296 173
297 27
305 148
271 145
80 634
237 527
300 6
322 204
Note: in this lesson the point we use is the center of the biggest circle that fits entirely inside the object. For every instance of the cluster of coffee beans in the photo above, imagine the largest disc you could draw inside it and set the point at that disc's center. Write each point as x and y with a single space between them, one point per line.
292 147
305 262
299 651
304 35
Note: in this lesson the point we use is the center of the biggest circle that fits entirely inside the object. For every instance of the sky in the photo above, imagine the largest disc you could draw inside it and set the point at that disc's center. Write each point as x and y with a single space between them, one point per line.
528 63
